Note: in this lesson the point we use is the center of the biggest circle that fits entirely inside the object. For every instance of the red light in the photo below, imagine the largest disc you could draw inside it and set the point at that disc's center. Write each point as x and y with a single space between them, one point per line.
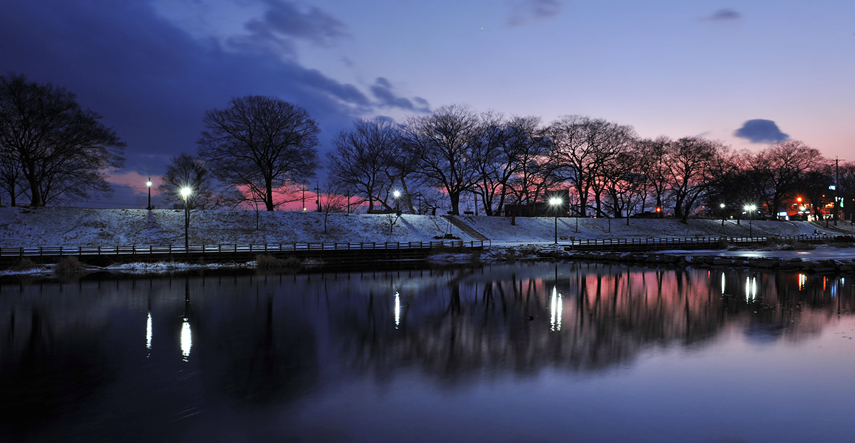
658 209
799 199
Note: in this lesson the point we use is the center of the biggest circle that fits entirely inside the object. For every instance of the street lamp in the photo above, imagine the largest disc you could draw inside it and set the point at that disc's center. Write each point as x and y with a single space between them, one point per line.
722 213
554 202
185 194
751 209
396 194
148 185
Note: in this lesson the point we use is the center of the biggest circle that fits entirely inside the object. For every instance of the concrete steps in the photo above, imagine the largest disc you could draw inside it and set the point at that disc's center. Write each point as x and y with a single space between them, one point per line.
460 224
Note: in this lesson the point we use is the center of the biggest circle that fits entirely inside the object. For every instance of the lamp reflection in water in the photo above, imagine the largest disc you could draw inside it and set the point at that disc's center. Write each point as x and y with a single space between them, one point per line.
186 333
397 310
723 283
750 288
148 334
186 339
556 306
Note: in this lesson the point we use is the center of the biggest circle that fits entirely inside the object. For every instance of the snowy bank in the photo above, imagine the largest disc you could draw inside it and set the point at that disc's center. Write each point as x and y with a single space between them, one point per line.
98 227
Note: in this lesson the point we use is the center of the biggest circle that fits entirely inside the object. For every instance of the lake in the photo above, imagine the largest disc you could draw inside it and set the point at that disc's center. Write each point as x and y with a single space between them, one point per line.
525 352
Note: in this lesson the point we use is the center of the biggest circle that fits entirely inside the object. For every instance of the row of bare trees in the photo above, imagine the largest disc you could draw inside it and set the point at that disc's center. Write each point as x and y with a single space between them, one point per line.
263 151
610 170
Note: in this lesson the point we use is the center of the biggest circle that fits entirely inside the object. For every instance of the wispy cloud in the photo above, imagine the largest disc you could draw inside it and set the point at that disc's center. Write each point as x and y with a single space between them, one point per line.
382 90
724 15
525 11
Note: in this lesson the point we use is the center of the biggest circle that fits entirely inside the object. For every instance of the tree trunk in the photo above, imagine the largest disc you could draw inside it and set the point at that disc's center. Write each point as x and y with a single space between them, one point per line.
35 194
455 202
268 198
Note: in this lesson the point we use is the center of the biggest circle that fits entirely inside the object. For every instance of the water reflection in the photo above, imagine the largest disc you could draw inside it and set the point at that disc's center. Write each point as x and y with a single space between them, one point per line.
264 342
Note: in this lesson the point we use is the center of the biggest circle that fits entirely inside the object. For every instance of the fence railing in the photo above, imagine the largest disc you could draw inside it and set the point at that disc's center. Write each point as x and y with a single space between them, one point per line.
54 251
679 241
59 251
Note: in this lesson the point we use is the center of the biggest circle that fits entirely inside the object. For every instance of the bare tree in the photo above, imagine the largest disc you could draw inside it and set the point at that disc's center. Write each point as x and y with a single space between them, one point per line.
782 166
731 181
499 150
185 170
332 200
537 172
814 188
846 189
622 183
61 150
11 180
651 161
688 162
363 159
262 143
583 145
442 144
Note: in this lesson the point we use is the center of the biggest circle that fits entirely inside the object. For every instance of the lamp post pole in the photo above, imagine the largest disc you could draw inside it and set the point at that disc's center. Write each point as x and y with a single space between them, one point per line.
148 185
722 213
185 194
751 208
396 194
554 202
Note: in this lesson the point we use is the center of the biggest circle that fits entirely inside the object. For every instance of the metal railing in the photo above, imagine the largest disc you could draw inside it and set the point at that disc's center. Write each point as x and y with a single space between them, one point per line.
60 251
684 241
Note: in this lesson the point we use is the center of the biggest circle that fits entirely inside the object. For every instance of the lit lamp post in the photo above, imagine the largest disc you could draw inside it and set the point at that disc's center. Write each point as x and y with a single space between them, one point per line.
722 213
396 194
148 185
751 209
185 194
554 202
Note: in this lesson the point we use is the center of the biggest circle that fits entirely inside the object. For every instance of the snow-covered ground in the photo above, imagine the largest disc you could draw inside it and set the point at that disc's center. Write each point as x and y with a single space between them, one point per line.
92 227
521 237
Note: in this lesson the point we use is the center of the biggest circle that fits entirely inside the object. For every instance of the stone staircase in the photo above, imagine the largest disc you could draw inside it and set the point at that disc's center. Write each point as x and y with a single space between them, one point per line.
460 224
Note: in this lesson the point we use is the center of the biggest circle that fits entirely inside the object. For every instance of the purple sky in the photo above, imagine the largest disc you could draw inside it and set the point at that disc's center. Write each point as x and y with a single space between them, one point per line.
745 74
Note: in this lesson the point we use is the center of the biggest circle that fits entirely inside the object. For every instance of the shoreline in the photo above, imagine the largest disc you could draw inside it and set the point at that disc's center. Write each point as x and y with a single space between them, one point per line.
824 259
509 239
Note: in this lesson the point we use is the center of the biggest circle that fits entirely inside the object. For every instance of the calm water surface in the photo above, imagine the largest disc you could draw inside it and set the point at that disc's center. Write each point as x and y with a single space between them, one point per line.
506 353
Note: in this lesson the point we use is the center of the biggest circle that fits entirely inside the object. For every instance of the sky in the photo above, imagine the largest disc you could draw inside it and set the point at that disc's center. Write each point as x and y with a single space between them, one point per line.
747 73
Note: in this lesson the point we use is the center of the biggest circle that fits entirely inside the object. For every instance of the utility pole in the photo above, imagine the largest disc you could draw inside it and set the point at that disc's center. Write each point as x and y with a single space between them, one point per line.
304 198
836 185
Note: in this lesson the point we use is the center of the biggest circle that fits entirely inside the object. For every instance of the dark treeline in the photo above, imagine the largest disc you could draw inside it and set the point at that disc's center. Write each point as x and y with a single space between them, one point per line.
263 152
608 169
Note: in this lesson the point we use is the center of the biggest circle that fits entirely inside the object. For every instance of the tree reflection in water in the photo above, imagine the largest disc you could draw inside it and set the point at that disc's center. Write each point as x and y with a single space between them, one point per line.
255 342
501 318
